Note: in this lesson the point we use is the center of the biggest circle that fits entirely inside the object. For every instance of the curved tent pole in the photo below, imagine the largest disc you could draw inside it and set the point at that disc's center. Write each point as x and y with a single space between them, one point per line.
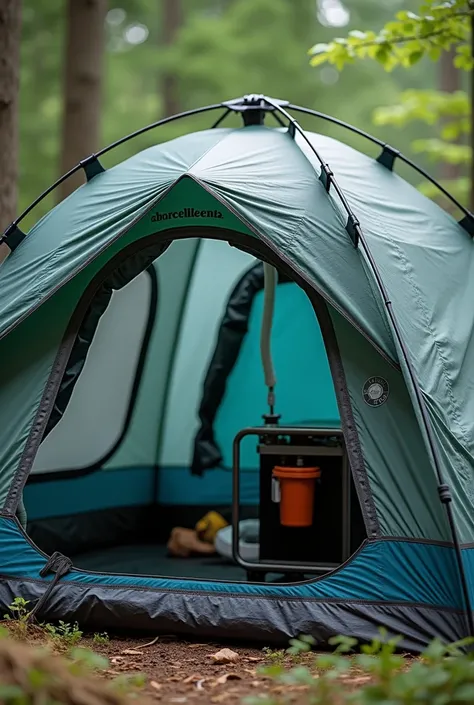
444 492
390 154
92 166
13 236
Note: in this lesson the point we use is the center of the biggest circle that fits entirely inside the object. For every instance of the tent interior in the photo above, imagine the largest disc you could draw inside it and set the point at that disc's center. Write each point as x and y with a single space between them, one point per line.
116 473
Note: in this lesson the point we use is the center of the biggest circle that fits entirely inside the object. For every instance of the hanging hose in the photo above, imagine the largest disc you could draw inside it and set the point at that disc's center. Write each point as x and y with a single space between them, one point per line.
270 283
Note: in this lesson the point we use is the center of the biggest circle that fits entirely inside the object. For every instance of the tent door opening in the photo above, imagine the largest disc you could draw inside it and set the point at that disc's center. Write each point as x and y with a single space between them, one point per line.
196 347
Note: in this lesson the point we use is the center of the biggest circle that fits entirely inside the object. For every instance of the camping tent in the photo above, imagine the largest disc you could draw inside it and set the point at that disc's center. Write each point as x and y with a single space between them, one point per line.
111 314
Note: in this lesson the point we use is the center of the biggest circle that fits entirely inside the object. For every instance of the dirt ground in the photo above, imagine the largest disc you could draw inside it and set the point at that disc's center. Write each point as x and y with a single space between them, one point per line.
185 672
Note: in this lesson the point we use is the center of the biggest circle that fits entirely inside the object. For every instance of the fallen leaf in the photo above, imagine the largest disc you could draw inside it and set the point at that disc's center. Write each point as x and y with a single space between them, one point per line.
192 679
150 643
132 652
288 688
254 658
228 677
155 685
225 656
359 679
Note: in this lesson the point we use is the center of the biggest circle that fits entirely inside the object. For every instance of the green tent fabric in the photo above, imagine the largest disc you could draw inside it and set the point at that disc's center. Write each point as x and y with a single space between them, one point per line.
272 184
260 188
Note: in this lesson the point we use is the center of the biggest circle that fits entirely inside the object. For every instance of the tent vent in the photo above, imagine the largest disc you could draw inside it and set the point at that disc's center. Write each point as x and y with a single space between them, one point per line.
91 166
12 237
468 224
388 156
353 228
326 176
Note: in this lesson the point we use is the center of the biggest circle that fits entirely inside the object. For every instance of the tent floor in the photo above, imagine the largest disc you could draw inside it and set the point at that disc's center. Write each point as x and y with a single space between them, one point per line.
153 559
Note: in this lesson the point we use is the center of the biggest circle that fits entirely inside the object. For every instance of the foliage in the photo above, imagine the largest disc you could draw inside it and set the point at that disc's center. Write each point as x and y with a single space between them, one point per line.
407 39
443 676
101 638
70 634
438 27
18 610
225 48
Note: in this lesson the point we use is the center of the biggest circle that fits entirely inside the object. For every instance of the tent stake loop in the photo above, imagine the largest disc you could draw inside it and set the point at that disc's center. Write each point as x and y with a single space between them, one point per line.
59 565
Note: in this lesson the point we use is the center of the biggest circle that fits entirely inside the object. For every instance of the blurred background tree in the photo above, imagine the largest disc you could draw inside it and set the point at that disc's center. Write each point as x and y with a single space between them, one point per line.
165 55
440 32
82 85
10 13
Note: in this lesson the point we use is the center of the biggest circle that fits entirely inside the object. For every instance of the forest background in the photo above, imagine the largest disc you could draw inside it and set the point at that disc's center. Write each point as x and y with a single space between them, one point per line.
91 71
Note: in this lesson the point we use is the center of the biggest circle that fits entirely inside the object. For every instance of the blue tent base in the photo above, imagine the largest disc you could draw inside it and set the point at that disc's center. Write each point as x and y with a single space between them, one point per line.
408 587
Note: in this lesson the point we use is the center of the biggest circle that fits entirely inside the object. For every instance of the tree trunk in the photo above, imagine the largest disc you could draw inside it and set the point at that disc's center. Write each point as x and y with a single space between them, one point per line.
10 29
449 82
171 22
85 42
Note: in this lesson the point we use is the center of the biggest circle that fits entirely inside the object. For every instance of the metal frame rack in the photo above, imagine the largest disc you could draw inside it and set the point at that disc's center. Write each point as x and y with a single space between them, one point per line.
268 446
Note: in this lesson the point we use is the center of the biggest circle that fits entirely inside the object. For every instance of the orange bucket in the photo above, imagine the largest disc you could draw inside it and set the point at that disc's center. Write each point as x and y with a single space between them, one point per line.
297 494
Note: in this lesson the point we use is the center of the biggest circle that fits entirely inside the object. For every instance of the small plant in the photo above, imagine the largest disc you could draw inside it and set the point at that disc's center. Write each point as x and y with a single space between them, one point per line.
444 675
274 656
300 646
101 638
67 633
82 661
19 610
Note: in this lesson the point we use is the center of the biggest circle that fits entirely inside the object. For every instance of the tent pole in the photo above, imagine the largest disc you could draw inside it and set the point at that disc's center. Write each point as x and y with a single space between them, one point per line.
394 152
443 488
93 159
327 177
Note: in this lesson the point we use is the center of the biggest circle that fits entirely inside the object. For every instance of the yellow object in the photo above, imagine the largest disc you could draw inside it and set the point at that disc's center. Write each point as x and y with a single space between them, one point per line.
209 525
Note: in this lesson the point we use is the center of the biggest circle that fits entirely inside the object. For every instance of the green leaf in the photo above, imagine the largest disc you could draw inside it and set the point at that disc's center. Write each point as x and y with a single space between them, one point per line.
320 48
434 53
12 693
461 61
318 60
464 693
357 34
88 659
415 57
382 54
